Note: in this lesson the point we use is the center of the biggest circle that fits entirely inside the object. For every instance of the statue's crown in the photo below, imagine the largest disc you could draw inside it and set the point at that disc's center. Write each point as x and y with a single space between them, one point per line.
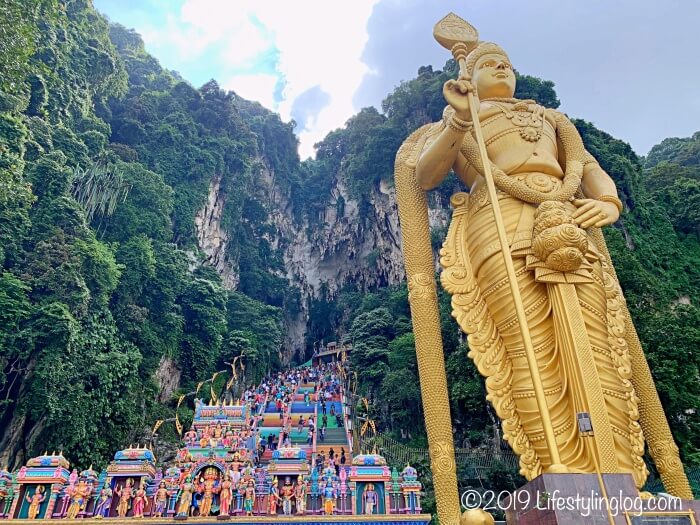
483 48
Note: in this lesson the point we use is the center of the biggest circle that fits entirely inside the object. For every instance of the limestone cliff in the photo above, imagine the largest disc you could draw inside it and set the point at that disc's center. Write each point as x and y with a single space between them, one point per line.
321 255
212 239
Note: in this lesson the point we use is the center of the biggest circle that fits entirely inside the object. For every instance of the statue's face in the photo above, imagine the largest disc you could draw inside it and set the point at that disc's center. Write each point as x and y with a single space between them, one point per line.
493 77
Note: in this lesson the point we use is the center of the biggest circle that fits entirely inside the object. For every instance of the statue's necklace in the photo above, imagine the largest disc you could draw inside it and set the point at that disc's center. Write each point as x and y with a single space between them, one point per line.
572 144
525 114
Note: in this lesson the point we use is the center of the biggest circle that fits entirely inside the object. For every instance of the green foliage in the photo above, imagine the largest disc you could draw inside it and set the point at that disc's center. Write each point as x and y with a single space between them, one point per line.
18 34
15 194
99 190
672 174
683 151
97 284
370 335
534 88
145 210
261 325
203 304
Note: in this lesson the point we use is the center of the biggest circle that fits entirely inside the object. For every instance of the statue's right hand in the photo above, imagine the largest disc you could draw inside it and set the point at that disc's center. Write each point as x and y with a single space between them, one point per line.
456 95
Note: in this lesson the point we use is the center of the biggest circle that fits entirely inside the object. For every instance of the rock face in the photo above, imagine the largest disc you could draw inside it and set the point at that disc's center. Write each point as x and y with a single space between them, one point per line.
167 377
211 237
344 244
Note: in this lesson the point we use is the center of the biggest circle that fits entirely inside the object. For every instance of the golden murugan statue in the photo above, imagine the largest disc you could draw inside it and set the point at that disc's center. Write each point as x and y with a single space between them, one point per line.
547 323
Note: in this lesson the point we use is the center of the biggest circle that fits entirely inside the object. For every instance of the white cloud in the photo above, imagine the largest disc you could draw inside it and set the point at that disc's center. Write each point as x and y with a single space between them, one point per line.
259 87
320 46
317 42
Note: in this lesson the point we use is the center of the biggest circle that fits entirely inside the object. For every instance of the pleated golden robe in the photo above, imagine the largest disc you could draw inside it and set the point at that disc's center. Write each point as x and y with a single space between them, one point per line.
575 317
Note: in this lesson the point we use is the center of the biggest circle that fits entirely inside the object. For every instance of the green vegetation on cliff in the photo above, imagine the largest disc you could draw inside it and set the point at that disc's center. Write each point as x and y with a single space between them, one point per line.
105 159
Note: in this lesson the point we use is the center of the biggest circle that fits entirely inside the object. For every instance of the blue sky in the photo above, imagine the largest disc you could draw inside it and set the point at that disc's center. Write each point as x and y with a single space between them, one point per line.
630 67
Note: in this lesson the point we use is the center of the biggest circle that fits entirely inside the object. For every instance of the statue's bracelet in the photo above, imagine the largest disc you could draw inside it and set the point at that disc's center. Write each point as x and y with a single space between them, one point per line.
614 200
459 125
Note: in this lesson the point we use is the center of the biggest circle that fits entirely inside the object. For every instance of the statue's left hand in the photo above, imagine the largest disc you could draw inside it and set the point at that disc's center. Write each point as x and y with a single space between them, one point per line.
591 212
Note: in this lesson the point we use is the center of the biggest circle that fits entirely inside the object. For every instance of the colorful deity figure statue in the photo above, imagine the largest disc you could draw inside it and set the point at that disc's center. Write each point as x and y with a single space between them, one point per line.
125 494
409 473
235 476
218 434
225 496
300 495
191 437
329 495
160 500
236 463
184 498
248 471
287 493
140 499
79 499
104 501
68 492
9 496
274 498
208 486
370 500
240 493
228 438
35 501
329 471
249 499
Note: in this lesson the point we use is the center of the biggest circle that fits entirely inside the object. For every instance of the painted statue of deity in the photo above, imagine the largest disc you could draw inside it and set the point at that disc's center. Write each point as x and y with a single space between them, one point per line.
9 498
78 499
139 501
35 501
329 471
274 498
248 470
225 496
191 437
236 463
160 500
329 495
104 501
554 199
185 497
409 473
125 493
228 438
208 486
370 500
300 495
235 476
287 494
249 498
218 434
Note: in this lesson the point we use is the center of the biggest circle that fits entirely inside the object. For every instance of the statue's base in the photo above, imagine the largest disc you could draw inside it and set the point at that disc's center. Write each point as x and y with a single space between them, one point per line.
223 517
577 499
